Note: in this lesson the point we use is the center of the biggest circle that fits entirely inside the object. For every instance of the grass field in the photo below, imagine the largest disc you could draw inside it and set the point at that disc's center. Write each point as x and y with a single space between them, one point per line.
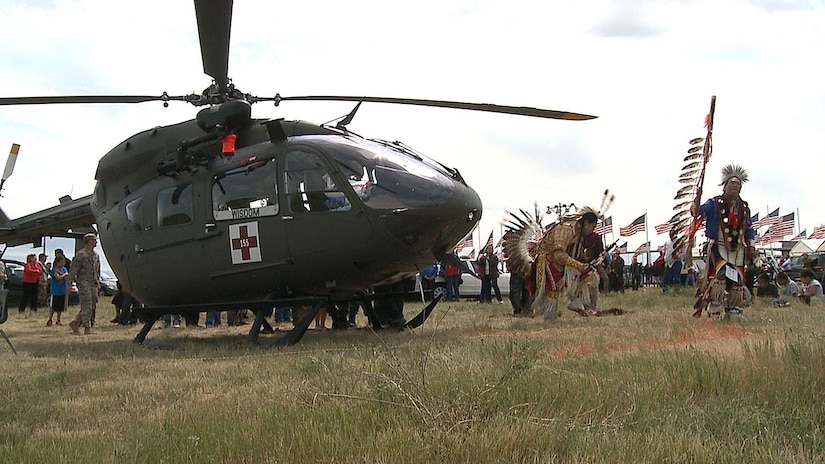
472 385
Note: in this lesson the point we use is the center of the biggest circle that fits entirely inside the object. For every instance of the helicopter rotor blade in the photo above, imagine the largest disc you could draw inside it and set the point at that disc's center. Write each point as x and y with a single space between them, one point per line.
11 161
86 99
519 110
214 19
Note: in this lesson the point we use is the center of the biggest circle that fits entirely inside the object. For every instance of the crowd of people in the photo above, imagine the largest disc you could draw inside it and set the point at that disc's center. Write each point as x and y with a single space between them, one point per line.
46 284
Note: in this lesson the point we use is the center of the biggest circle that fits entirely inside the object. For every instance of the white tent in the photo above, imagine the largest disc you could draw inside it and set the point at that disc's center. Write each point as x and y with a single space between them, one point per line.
807 245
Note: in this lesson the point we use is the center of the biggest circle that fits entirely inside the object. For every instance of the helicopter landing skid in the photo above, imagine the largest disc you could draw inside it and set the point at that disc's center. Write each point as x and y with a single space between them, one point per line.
421 317
262 309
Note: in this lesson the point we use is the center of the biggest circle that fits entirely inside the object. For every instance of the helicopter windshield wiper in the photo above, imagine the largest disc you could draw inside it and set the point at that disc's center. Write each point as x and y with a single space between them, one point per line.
398 146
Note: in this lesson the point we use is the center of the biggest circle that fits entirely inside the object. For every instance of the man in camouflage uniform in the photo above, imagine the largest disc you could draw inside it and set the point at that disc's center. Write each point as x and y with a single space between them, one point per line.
85 271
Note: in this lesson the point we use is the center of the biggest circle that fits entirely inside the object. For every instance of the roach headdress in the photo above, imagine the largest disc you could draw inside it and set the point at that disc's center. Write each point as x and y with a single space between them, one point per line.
733 170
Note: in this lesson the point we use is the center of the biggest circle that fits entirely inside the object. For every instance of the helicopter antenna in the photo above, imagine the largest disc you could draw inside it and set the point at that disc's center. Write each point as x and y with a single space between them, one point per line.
10 162
342 124
344 120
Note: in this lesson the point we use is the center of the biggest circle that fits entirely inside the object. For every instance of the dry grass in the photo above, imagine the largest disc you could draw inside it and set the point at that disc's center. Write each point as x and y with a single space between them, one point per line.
472 385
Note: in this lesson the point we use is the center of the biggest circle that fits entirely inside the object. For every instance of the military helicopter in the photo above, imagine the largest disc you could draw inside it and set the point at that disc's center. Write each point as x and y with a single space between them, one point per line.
227 211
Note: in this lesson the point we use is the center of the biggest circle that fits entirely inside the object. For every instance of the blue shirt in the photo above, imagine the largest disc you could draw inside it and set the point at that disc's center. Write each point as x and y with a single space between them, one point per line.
57 286
710 209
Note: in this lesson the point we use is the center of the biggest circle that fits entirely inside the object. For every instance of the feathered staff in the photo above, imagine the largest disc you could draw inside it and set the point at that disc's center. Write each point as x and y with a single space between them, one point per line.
693 173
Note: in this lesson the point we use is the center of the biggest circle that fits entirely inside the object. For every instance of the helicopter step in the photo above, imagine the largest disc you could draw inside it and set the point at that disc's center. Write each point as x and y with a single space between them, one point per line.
262 309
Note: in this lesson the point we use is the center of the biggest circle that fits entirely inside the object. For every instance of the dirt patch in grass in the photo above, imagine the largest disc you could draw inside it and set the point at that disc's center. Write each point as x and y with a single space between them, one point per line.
693 335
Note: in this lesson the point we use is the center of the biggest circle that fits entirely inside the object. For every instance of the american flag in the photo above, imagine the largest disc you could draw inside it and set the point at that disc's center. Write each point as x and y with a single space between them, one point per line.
800 236
818 232
489 243
665 227
779 230
622 248
768 220
643 248
636 226
784 227
605 227
466 243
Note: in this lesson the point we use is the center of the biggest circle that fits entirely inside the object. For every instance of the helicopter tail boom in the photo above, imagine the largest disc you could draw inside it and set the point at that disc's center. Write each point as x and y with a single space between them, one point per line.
71 218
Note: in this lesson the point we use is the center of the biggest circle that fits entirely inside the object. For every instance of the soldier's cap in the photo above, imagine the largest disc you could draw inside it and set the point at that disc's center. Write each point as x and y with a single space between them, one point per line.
89 236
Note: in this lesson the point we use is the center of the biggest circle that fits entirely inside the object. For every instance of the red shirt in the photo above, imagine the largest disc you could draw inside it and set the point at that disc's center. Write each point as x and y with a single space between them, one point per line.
31 273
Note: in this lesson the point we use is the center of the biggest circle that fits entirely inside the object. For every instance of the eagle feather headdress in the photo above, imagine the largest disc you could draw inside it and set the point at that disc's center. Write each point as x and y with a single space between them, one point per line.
524 233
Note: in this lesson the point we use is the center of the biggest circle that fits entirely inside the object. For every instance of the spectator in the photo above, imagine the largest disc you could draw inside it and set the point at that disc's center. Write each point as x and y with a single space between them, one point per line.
452 274
788 289
43 281
617 271
673 264
58 290
806 261
764 286
30 281
811 288
519 296
636 272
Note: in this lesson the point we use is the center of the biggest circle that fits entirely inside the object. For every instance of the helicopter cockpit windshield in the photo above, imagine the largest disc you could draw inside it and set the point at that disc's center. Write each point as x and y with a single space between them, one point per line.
384 177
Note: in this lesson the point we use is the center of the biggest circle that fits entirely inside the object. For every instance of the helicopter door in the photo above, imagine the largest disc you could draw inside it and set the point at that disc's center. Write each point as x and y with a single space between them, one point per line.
167 238
323 224
246 212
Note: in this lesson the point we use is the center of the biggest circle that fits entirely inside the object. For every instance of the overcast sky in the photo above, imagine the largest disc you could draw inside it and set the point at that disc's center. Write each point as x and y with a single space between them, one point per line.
647 69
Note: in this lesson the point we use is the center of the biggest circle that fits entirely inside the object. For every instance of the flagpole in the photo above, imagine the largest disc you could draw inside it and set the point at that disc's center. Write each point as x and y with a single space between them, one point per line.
647 237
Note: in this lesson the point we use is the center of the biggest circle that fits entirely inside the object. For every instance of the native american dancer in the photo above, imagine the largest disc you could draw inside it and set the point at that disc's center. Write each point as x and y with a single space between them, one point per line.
730 245
559 261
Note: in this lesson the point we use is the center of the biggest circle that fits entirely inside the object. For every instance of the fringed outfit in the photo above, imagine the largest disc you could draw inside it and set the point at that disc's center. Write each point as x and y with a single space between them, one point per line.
729 234
556 269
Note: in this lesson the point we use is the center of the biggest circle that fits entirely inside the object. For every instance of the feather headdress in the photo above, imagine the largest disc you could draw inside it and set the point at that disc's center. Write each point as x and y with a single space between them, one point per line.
607 202
525 232
733 170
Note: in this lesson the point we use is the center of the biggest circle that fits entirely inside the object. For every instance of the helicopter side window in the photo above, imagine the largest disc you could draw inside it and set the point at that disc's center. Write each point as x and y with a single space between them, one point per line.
175 205
309 185
246 192
134 214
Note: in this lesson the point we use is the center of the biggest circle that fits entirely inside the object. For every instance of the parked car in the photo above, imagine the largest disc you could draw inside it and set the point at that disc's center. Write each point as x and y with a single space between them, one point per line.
14 277
108 284
817 265
471 285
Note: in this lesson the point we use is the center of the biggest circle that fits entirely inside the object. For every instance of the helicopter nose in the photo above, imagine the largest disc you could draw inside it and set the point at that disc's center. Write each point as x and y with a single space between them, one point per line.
461 214
433 231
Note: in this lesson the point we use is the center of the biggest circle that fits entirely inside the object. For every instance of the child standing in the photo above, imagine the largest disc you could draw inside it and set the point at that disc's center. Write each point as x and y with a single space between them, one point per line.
57 285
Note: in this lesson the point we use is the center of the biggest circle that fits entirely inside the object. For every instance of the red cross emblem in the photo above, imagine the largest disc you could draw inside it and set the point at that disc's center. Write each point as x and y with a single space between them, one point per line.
243 240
